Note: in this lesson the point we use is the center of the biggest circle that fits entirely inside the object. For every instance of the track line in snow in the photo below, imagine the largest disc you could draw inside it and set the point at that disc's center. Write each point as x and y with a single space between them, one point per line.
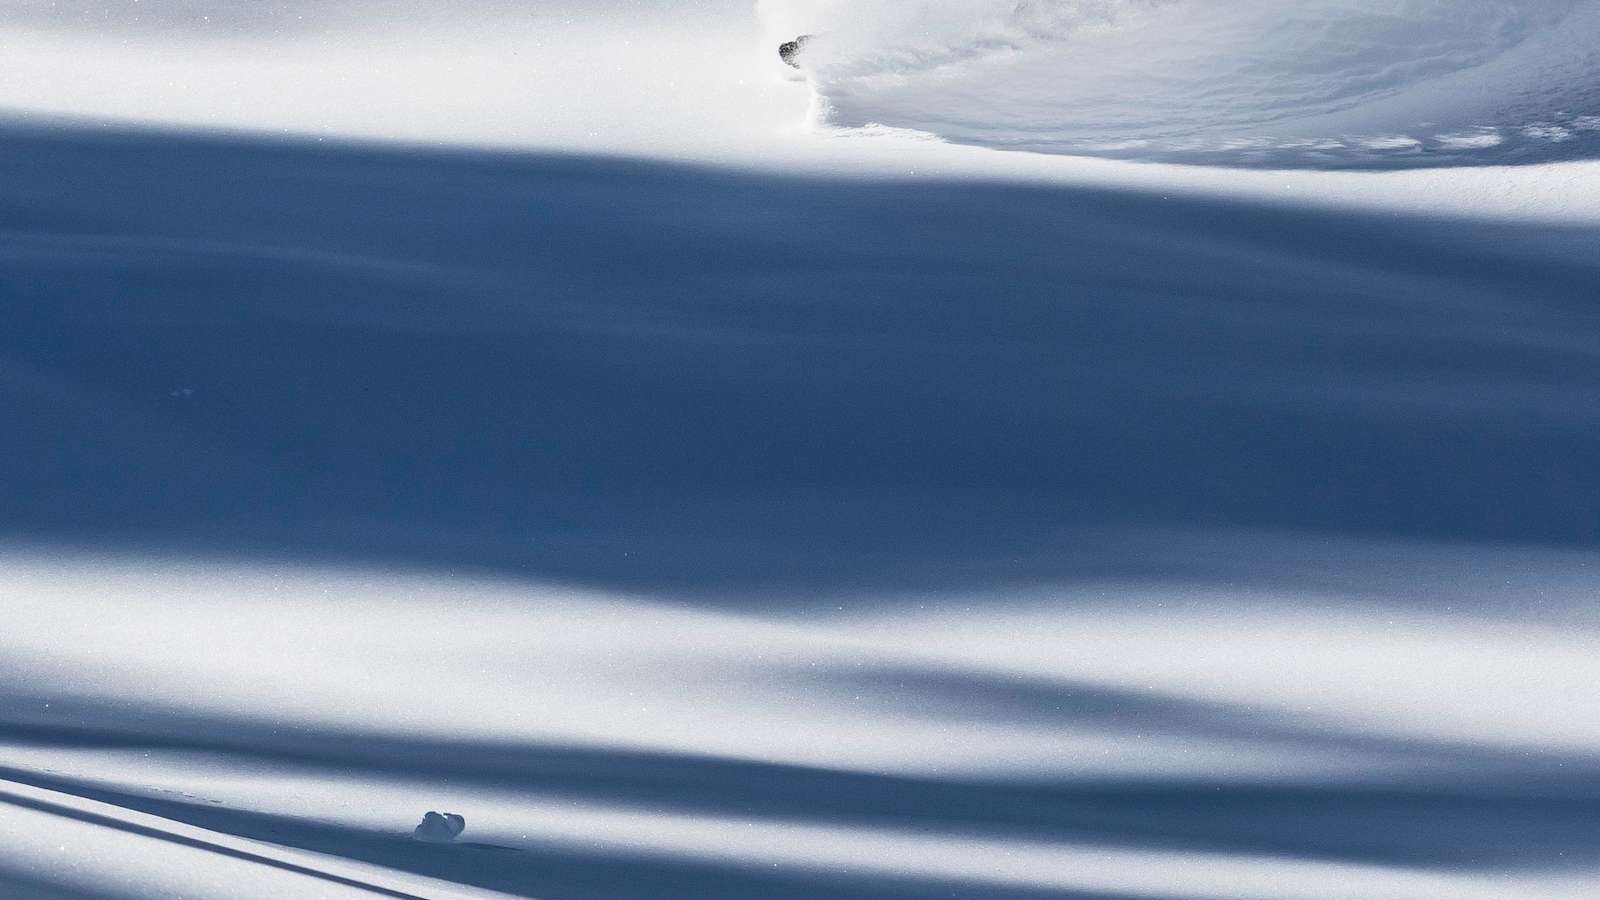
103 817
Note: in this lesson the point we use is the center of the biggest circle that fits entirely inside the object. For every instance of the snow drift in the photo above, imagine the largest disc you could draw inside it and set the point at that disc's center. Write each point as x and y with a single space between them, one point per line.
1321 82
841 513
709 533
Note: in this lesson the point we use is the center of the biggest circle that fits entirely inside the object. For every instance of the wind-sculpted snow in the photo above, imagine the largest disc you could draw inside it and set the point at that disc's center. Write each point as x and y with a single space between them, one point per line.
705 533
1322 82
728 499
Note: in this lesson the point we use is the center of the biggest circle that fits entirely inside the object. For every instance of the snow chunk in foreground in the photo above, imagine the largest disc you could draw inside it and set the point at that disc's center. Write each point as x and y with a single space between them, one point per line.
439 828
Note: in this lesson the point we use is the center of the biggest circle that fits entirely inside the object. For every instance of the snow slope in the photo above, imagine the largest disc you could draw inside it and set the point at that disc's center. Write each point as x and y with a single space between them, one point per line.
694 530
115 850
705 505
1318 83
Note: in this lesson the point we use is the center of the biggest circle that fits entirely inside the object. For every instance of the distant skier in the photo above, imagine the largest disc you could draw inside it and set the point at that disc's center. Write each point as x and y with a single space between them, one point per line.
789 51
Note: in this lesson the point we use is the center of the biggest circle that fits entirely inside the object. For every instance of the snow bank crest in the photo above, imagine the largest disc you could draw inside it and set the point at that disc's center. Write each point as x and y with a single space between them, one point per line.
1320 79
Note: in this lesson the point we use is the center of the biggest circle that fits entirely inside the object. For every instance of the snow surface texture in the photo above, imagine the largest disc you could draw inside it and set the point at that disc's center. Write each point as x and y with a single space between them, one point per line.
705 506
1315 82
700 533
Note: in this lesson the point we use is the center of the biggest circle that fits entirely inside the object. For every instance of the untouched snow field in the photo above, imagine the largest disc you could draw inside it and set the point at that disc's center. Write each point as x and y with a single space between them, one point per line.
709 489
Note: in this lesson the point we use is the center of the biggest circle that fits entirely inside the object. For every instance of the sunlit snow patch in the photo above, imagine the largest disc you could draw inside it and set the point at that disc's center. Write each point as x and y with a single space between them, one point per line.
1211 81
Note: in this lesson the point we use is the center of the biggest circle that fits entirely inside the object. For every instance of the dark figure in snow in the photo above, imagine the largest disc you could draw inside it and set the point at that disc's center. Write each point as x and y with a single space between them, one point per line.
789 51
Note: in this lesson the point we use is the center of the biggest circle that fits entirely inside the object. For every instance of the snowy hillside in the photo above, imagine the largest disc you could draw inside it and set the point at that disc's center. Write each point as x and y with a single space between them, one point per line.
704 500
